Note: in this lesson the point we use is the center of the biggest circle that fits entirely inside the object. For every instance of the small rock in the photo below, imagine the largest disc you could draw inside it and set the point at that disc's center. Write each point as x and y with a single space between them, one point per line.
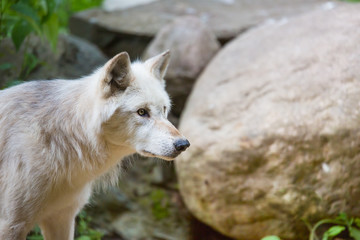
192 46
140 225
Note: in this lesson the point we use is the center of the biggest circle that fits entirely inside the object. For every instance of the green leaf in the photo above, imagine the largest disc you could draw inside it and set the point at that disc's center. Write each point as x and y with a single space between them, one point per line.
271 238
29 64
26 10
34 238
19 33
37 230
342 217
5 4
355 233
80 5
95 234
51 30
84 238
29 14
82 226
50 5
7 25
333 231
357 222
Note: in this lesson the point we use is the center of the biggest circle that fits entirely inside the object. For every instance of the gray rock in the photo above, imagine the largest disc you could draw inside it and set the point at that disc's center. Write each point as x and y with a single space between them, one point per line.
141 226
112 5
84 25
132 29
273 123
192 46
73 58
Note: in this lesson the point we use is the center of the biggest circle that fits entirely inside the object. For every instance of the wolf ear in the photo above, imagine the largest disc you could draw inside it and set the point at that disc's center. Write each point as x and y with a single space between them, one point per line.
118 73
159 64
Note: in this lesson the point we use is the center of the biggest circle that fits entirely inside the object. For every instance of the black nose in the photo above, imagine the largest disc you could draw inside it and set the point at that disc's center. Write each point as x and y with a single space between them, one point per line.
181 144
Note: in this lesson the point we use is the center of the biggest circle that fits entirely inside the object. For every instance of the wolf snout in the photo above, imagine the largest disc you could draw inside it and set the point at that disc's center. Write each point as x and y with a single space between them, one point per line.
181 145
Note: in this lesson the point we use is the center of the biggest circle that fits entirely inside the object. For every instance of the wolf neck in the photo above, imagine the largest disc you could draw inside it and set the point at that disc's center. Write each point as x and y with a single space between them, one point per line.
83 149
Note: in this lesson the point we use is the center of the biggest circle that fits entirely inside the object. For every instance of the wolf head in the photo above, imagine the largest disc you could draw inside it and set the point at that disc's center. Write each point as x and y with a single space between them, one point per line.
138 106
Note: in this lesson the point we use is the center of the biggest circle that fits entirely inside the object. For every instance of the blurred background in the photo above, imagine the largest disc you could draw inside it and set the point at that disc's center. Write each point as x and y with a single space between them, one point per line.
267 92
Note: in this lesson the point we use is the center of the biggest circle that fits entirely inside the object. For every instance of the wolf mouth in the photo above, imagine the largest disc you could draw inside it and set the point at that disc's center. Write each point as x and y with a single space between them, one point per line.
165 157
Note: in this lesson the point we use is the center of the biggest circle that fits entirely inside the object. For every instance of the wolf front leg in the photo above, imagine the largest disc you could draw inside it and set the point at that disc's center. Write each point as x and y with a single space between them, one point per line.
11 231
60 225
18 213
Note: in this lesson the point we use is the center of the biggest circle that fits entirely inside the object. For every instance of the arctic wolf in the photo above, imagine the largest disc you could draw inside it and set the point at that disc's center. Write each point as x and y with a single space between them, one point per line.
57 137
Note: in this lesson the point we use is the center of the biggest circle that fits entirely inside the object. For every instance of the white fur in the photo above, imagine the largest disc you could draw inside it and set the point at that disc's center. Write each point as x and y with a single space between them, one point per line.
57 137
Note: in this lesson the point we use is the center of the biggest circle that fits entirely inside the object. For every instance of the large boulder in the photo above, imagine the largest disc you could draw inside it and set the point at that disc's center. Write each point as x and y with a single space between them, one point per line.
131 29
192 46
73 58
273 123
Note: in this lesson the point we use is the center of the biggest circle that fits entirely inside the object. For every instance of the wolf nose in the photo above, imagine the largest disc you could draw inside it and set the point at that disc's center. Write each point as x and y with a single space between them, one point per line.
181 145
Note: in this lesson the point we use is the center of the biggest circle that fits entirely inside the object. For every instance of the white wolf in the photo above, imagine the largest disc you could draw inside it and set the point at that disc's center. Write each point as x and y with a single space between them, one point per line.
57 137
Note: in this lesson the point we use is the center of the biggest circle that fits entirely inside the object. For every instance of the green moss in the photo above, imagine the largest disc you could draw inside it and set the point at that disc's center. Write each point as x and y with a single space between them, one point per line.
160 204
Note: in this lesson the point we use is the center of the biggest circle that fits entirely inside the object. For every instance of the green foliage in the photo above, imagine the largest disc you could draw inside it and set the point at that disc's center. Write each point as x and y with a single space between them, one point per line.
333 232
83 229
79 5
30 62
160 204
43 18
35 234
341 223
19 18
271 238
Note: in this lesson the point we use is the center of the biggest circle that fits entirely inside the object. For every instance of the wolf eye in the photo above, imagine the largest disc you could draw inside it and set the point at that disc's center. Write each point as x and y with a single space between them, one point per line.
142 112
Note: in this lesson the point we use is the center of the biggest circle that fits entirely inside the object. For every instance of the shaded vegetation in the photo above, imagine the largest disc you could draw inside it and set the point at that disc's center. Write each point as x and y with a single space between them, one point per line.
43 18
341 226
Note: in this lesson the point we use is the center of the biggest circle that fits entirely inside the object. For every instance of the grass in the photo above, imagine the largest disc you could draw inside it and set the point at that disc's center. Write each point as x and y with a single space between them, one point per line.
338 225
